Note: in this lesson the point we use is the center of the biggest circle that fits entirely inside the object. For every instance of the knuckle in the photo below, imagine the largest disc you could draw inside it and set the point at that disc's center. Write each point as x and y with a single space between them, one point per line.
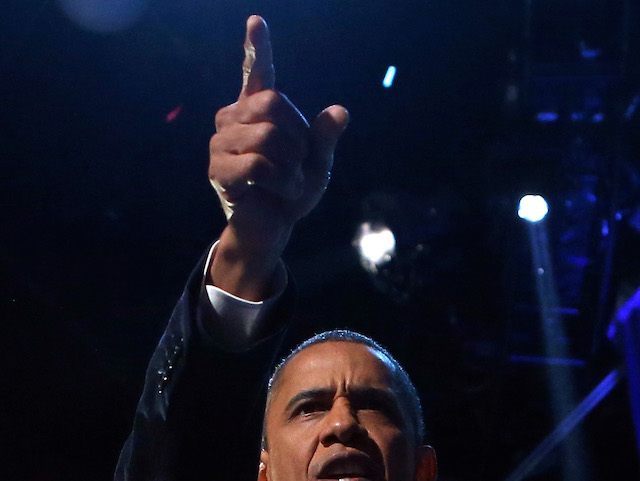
267 100
220 118
256 166
214 167
265 132
223 116
214 144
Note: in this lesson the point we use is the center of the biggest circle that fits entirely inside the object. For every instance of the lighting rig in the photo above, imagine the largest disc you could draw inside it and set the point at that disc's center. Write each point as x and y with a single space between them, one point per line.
568 111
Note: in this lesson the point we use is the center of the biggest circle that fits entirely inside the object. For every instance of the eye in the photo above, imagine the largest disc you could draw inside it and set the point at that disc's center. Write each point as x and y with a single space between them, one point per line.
309 408
371 405
383 407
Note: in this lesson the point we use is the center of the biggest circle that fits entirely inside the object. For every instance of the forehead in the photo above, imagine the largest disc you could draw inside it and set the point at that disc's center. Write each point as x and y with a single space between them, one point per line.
334 364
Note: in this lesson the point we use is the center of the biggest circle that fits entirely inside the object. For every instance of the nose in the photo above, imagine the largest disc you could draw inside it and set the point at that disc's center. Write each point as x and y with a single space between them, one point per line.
341 424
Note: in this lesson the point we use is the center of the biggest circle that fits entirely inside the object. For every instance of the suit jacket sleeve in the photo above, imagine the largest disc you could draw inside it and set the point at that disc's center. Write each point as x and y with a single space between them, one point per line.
199 416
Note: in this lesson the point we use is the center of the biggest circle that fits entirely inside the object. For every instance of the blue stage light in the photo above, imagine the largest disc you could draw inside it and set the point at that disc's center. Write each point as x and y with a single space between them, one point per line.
102 16
547 117
533 208
589 53
387 82
577 116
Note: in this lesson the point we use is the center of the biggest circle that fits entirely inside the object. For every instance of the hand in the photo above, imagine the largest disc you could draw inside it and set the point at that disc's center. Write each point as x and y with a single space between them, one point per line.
269 167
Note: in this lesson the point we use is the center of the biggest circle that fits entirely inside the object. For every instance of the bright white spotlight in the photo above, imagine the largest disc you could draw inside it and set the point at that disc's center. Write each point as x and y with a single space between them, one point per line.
376 245
533 208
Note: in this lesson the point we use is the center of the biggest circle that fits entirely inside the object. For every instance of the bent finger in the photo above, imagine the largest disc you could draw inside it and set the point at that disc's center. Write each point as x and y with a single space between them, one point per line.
275 107
264 138
254 171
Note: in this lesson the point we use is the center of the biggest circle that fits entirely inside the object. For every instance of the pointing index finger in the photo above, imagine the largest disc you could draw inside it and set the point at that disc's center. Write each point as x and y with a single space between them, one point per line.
257 68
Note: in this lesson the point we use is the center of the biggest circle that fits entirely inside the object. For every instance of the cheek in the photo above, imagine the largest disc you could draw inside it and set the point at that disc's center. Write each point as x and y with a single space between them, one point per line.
397 453
290 455
401 465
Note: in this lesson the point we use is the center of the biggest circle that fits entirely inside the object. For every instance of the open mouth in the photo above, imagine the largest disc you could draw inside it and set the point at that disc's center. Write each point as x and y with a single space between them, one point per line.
347 467
349 477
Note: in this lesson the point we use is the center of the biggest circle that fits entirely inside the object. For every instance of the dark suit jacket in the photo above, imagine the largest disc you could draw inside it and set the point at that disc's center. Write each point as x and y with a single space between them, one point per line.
200 413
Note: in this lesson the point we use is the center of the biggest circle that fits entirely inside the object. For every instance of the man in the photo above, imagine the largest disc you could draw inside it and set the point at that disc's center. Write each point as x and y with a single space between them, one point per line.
338 407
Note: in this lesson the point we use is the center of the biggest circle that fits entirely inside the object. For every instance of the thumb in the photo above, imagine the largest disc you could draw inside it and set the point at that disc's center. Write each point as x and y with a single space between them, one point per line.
326 129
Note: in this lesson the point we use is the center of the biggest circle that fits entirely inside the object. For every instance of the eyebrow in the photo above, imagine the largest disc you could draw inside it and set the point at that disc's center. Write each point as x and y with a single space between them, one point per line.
319 393
386 396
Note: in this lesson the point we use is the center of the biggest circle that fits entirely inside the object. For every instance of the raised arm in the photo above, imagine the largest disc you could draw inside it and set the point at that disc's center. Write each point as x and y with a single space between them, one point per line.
269 167
196 418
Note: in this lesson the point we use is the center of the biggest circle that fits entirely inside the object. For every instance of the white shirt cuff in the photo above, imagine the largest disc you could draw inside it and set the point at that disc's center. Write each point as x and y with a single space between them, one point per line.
239 318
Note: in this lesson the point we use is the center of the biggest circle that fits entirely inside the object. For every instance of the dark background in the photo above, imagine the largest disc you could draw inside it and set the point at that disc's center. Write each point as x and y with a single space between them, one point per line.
106 207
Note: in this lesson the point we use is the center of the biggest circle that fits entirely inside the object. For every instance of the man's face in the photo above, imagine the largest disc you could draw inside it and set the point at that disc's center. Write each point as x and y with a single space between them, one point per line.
335 415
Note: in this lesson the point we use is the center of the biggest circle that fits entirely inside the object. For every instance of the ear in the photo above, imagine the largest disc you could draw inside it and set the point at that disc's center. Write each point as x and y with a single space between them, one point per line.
426 464
262 467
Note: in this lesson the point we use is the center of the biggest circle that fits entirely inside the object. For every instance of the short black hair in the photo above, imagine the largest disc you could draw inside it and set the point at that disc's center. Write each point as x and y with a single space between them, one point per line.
407 392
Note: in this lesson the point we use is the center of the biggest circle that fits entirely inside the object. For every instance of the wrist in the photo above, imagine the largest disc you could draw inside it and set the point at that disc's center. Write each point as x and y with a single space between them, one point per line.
246 268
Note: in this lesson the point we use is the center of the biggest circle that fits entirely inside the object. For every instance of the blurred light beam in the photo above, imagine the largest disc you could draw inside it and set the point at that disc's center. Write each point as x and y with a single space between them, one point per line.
389 77
564 428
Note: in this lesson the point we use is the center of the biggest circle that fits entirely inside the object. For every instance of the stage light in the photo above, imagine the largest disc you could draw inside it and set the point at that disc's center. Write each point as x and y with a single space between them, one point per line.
102 16
547 117
533 208
577 116
632 107
589 53
387 82
376 245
